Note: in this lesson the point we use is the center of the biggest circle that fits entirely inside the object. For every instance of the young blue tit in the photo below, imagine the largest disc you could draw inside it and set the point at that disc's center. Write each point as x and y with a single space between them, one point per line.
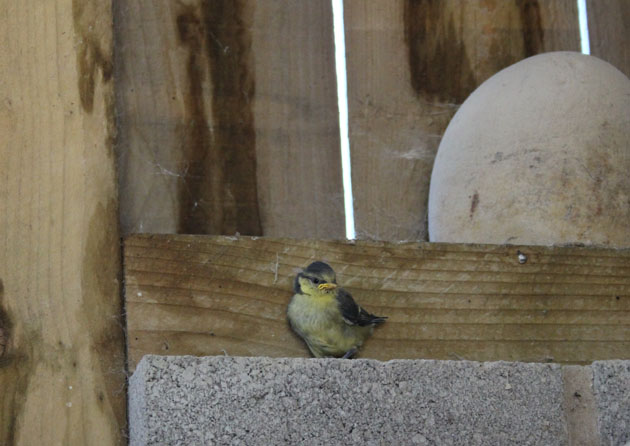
326 316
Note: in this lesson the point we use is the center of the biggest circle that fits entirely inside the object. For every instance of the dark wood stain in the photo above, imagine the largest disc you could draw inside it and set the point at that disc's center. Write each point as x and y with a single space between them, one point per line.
502 55
91 57
195 213
16 369
100 284
439 64
438 61
218 193
531 22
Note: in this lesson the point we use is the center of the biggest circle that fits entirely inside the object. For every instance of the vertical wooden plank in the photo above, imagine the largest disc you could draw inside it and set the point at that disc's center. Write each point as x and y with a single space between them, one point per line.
297 120
62 375
609 31
151 83
187 147
228 118
411 63
560 25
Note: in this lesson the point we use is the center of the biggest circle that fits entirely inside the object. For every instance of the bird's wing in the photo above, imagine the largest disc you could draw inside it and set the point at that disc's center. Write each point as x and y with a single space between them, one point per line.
352 313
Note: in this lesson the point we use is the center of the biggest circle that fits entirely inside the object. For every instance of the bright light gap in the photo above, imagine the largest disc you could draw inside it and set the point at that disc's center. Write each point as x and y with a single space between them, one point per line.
583 20
342 98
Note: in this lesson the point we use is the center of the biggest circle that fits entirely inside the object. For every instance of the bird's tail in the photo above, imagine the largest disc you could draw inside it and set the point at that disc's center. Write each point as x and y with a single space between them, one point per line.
378 320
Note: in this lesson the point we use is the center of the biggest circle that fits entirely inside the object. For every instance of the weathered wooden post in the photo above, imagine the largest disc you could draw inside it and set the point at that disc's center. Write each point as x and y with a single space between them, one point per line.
62 353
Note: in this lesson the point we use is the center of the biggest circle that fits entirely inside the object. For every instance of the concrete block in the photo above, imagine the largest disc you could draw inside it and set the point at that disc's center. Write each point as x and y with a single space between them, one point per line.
611 386
236 400
580 406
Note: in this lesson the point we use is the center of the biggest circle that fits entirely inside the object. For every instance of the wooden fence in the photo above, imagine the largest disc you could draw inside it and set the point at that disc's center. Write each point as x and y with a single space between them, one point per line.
217 117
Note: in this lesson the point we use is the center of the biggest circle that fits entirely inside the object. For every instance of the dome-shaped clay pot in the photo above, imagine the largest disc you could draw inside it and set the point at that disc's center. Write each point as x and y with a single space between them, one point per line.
538 154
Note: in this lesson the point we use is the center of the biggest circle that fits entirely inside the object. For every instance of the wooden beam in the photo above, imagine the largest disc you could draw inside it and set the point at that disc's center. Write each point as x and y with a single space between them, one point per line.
228 118
62 365
410 65
216 295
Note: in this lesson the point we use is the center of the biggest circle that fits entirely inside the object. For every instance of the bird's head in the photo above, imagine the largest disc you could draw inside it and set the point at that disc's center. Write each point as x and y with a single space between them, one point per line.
318 278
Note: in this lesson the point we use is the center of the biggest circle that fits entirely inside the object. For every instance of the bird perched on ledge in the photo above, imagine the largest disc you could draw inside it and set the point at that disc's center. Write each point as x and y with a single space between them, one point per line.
326 316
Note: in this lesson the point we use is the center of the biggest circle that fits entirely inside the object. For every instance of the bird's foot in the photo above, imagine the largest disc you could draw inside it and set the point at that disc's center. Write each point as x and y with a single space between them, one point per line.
350 353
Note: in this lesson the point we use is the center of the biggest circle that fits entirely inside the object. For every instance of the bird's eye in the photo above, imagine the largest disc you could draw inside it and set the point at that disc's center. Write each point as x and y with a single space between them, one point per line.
315 280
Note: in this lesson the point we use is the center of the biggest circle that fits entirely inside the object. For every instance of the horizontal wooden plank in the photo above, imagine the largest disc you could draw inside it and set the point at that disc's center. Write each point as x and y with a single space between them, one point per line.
206 295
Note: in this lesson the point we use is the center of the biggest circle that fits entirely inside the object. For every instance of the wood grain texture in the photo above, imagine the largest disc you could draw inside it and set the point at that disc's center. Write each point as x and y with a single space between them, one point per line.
216 295
62 376
411 63
185 93
227 113
151 82
297 120
609 31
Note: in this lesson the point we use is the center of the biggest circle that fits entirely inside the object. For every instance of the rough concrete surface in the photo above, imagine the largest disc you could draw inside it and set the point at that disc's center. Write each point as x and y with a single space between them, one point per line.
262 401
611 384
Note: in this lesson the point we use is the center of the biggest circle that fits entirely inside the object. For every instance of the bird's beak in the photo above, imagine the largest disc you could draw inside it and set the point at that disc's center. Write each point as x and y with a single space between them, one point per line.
327 286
